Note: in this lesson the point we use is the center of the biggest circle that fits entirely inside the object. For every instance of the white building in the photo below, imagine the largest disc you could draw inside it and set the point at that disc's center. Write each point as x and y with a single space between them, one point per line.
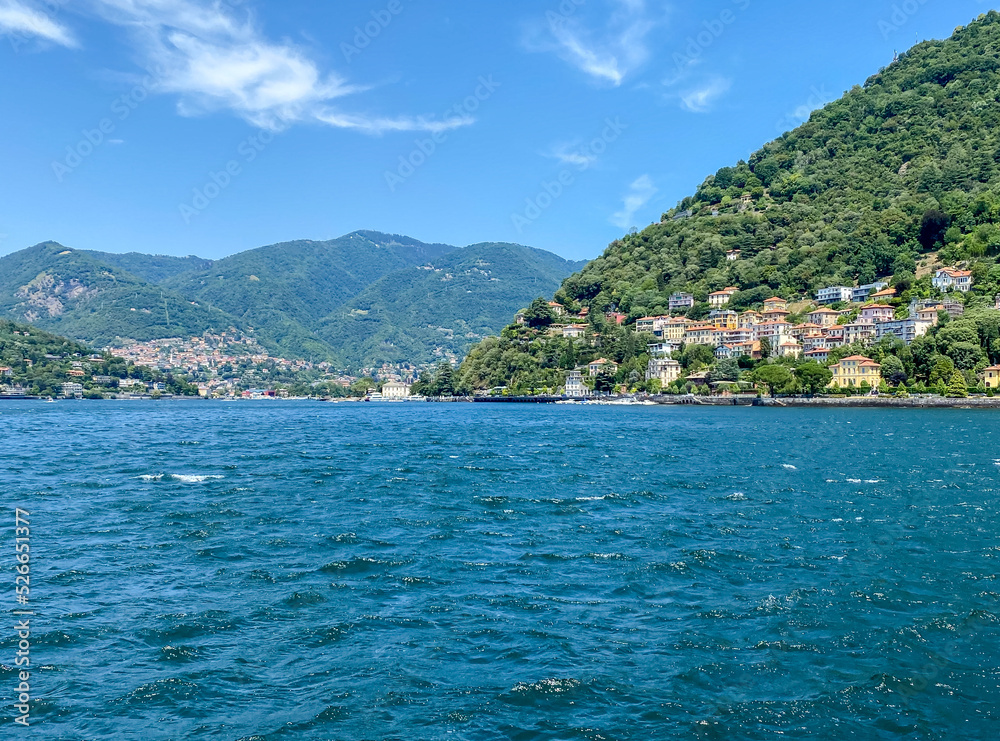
574 385
395 390
665 370
950 279
833 294
680 301
72 390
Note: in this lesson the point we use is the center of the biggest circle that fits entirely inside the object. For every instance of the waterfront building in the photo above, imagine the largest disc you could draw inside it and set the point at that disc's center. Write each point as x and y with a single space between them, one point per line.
574 385
855 371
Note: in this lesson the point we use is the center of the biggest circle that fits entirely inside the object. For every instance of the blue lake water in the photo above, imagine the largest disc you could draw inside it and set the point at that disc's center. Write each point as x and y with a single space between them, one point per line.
285 571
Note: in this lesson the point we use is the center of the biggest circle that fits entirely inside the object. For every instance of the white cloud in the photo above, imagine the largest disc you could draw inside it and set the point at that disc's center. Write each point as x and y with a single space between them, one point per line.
639 194
20 20
214 57
574 154
701 98
607 55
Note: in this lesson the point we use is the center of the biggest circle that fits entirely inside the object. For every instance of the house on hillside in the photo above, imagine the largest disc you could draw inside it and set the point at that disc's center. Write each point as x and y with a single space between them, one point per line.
775 304
681 301
602 365
823 317
878 313
992 377
574 331
834 294
718 299
951 279
863 293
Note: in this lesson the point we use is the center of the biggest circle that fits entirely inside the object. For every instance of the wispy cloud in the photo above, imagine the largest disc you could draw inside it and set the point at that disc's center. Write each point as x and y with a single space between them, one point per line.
23 20
701 98
607 54
214 56
572 153
639 194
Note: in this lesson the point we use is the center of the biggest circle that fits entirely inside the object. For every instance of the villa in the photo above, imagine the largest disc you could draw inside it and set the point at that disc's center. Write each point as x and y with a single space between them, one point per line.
855 371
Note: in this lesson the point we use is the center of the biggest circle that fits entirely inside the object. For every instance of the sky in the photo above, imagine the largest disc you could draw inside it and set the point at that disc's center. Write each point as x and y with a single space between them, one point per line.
205 127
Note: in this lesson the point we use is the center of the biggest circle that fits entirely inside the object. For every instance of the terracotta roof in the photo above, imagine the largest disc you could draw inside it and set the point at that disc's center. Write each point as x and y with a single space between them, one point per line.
859 357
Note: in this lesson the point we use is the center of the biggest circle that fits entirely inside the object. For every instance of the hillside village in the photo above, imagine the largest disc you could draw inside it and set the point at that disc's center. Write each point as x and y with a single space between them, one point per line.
833 331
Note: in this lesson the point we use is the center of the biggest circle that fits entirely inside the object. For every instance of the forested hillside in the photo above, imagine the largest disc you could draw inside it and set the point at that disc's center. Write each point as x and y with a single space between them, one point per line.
438 310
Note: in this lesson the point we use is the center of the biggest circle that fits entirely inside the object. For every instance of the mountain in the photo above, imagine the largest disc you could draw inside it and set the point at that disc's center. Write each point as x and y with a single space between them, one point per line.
439 309
73 294
151 268
905 166
283 291
894 179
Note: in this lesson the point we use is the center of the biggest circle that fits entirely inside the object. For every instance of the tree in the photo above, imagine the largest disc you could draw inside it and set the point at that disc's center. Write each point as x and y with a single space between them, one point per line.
943 368
765 348
893 370
725 370
933 228
957 388
604 383
773 376
539 314
814 377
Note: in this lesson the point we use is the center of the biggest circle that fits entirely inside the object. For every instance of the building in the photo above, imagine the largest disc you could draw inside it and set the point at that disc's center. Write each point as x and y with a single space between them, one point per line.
824 317
789 349
673 330
718 299
820 355
884 295
681 301
776 315
954 308
616 317
878 313
733 255
666 371
557 309
663 349
862 293
992 379
727 319
855 371
860 330
700 334
950 279
928 314
75 373
574 385
395 390
834 294
104 380
775 304
750 319
6 372
72 390
905 329
574 331
602 364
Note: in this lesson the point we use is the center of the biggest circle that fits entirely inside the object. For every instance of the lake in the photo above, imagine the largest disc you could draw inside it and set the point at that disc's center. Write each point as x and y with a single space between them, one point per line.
283 570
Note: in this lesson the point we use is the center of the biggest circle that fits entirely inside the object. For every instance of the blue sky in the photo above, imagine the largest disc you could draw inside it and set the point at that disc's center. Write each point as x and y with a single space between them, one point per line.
195 127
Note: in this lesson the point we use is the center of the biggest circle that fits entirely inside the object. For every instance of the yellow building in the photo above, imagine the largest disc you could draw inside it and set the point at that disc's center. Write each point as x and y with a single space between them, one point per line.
775 303
993 377
856 370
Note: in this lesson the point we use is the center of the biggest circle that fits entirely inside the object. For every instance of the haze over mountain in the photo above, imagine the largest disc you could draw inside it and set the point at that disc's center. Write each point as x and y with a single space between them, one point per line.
424 300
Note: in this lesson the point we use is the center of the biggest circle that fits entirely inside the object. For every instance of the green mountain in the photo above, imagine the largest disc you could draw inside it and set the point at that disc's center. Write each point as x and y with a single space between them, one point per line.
907 165
151 268
895 178
73 294
441 308
284 290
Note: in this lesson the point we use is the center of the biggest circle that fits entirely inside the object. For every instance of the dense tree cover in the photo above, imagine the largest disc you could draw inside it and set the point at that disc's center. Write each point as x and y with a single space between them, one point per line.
41 362
439 310
906 165
893 178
